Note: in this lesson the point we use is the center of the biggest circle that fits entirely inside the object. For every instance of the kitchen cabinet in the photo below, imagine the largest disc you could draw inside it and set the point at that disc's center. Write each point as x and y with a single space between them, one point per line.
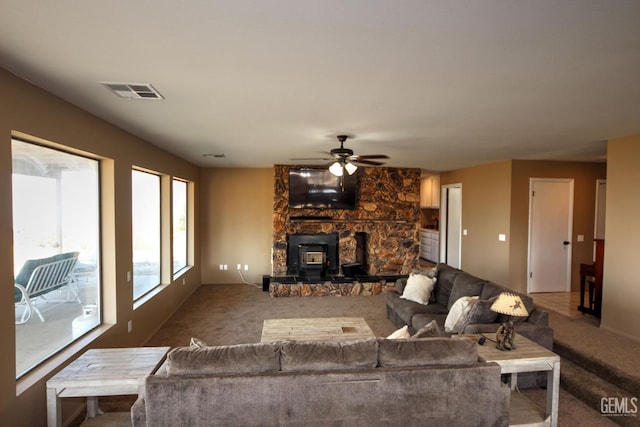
430 191
430 245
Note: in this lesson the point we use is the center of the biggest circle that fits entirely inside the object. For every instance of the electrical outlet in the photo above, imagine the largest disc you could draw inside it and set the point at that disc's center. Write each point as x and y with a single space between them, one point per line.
130 326
221 266
225 266
246 267
239 266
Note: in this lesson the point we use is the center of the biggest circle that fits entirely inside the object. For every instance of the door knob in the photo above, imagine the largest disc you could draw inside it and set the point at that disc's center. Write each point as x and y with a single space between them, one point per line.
566 243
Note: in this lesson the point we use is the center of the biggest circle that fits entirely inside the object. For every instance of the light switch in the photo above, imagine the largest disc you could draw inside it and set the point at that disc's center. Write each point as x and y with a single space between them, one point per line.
464 232
502 237
580 237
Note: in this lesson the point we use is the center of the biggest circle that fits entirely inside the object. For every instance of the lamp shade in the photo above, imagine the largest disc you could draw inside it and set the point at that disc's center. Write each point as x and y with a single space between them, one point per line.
509 304
336 169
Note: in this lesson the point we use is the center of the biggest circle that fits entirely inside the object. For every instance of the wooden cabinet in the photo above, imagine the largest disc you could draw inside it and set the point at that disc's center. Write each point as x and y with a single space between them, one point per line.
430 191
429 245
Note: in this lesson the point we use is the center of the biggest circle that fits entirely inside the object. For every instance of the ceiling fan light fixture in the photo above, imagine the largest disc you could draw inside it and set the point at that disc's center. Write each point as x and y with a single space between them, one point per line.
351 168
336 169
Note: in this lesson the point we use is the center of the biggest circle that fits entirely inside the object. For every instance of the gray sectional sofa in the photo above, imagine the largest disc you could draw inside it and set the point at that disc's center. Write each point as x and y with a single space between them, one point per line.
452 284
414 382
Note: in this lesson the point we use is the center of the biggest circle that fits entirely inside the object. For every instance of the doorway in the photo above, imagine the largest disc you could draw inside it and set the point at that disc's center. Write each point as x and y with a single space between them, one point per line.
451 225
550 230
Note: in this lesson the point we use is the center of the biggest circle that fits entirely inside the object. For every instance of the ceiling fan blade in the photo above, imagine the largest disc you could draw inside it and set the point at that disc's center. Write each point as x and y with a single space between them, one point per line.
372 156
366 162
313 158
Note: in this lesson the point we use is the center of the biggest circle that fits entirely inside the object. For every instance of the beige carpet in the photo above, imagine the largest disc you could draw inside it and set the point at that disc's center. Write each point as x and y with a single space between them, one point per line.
233 314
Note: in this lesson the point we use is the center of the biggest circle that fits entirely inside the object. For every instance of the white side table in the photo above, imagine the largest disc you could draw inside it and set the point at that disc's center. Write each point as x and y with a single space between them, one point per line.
527 357
102 372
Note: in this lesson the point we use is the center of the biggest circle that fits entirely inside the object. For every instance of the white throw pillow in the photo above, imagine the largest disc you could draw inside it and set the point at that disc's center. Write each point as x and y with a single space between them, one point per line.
400 333
457 316
418 288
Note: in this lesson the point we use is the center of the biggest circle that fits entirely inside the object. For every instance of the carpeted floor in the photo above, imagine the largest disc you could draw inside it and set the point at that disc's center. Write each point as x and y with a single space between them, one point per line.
233 314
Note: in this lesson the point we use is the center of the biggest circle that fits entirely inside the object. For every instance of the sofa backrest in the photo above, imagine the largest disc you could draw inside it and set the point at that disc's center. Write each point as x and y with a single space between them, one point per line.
453 284
297 356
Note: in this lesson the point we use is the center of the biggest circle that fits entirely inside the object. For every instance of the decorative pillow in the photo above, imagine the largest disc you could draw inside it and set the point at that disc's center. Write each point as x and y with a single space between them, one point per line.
446 276
418 288
457 317
196 342
400 333
481 312
427 331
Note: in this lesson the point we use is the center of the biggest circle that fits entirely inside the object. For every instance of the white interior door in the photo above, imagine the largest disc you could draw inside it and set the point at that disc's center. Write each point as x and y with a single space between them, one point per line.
451 232
550 229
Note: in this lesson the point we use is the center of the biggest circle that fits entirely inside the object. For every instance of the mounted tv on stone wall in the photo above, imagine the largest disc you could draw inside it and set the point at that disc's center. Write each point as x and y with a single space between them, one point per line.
315 188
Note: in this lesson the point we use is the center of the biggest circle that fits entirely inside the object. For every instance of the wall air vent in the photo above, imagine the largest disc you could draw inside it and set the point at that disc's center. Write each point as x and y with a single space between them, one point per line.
133 90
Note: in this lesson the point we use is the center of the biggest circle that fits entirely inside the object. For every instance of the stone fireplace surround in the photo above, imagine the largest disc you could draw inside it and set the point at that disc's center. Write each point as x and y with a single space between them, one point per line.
388 213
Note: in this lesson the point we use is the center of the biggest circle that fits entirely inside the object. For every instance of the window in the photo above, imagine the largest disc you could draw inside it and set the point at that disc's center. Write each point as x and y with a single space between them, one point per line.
56 250
146 232
179 193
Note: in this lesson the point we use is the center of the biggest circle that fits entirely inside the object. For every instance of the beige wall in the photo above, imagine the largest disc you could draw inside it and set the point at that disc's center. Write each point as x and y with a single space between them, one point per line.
27 109
584 205
621 287
237 212
495 200
486 195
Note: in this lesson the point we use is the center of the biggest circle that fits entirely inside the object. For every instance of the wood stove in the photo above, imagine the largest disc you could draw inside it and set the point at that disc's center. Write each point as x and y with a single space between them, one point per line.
312 256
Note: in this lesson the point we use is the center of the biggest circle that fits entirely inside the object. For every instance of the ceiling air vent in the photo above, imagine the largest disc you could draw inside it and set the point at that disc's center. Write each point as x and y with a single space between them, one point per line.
133 90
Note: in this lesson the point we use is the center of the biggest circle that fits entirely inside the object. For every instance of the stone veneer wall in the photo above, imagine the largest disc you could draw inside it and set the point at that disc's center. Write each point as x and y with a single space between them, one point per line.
388 211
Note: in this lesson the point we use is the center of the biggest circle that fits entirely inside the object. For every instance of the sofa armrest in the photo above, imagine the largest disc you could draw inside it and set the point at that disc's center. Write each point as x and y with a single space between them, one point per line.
138 413
400 284
539 317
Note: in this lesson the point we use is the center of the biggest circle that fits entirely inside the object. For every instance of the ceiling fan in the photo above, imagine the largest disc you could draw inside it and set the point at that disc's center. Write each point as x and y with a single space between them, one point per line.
344 159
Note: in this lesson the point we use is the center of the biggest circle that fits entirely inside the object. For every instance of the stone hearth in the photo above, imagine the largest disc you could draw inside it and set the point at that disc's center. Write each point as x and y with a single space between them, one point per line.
328 288
388 213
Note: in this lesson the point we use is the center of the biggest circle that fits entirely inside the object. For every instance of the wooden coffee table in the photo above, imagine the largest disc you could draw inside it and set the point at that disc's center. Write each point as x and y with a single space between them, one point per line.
102 372
315 329
527 357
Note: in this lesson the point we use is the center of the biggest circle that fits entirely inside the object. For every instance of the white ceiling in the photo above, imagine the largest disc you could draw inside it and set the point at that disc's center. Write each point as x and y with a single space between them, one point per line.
436 85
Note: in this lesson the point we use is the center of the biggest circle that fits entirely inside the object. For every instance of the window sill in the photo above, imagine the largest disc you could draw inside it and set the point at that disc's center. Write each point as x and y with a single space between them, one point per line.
56 362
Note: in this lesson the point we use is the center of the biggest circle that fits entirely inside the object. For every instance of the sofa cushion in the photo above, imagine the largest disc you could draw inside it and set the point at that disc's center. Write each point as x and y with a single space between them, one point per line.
230 359
426 352
418 288
406 309
328 355
490 290
481 312
465 285
446 276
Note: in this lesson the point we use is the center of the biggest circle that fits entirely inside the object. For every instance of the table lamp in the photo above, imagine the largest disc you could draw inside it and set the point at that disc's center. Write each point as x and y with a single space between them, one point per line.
510 304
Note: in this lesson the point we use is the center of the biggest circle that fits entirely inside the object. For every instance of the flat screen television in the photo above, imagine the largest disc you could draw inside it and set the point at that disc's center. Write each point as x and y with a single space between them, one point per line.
317 188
